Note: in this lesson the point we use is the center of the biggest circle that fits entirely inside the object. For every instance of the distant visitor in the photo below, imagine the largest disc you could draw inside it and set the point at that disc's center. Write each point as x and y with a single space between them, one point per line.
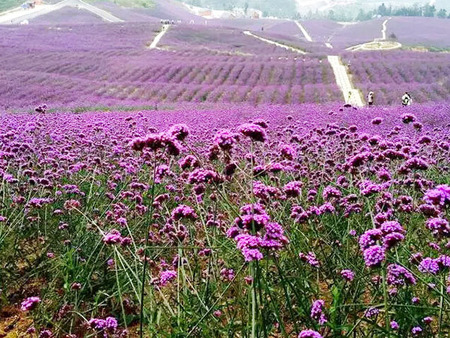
370 98
406 99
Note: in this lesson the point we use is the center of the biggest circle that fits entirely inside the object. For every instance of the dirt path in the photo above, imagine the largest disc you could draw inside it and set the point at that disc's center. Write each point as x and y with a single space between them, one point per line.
157 38
351 95
293 49
20 15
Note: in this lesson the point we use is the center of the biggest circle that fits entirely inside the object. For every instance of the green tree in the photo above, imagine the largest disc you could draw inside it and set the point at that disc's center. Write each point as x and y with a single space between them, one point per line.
331 15
429 11
382 10
442 13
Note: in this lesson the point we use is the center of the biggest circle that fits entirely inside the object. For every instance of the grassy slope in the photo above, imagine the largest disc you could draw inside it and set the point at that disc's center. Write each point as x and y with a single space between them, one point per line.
8 4
130 3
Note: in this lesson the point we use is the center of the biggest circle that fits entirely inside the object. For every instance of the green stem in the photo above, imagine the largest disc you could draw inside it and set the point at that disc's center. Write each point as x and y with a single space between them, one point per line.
385 297
144 273
441 305
253 301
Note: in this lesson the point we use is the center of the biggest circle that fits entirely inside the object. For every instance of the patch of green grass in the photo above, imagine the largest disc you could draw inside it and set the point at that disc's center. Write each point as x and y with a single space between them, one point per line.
100 108
9 4
131 3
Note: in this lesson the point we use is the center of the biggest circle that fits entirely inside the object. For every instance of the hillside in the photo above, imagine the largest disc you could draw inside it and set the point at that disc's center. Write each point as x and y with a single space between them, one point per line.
167 174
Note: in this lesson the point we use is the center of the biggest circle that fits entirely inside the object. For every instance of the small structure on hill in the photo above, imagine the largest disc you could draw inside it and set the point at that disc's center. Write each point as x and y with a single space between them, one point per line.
28 5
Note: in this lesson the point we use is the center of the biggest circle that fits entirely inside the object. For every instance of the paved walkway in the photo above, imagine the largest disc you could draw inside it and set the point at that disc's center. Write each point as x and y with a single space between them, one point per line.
351 95
305 33
293 49
19 15
383 30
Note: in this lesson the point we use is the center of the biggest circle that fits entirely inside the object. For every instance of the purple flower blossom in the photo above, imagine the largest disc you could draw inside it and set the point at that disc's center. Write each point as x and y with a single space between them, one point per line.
416 331
293 189
249 244
439 196
429 265
408 118
317 312
392 226
438 227
203 176
45 334
394 325
225 139
374 255
30 303
309 334
427 320
112 237
348 275
371 312
253 131
183 211
287 151
310 258
398 276
369 238
109 324
370 188
274 237
167 276
189 161
178 131
331 192
253 217
152 141
377 121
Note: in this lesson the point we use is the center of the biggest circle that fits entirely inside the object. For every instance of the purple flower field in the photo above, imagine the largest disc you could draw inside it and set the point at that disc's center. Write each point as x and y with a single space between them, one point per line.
300 220
389 74
67 15
159 9
217 185
342 36
96 68
429 32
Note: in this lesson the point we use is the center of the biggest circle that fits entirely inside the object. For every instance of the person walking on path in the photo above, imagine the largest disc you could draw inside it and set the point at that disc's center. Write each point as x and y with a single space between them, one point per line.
370 98
406 99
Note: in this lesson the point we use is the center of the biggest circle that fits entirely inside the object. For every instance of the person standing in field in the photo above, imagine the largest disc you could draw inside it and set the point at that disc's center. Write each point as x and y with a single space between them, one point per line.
370 97
406 99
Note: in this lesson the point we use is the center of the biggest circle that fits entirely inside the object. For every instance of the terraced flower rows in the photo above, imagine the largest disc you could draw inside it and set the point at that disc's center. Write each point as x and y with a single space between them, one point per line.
92 69
389 74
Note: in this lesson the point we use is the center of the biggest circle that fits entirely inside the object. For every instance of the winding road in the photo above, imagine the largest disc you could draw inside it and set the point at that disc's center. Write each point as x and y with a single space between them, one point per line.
378 43
20 15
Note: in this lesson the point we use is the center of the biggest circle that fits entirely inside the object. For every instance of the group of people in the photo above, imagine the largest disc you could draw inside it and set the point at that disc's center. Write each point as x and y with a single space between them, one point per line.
406 99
